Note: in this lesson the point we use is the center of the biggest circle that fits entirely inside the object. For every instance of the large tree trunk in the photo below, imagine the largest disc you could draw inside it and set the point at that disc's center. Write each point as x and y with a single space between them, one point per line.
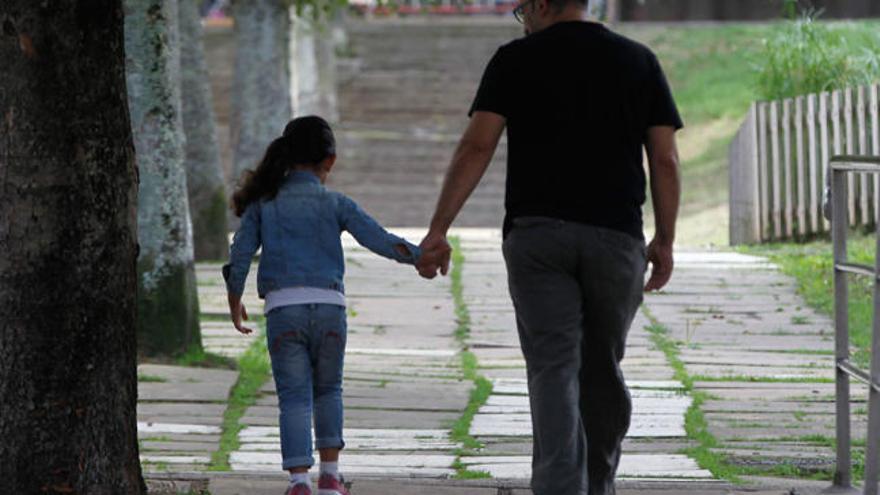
68 380
325 53
261 90
204 173
167 299
305 87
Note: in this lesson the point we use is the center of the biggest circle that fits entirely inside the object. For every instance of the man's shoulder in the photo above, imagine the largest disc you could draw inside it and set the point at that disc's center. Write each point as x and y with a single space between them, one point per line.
633 46
590 31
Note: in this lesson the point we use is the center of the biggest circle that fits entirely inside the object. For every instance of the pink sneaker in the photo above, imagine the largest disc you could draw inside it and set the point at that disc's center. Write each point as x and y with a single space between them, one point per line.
299 489
330 485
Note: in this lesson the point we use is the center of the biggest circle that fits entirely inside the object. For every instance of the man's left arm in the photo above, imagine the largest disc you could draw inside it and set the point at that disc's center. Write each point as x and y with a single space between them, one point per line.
469 163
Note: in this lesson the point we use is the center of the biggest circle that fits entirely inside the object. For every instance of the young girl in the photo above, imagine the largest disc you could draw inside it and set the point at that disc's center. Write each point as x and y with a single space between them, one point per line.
285 208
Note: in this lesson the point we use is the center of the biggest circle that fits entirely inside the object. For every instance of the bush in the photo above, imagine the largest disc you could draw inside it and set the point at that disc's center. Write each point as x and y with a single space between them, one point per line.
807 56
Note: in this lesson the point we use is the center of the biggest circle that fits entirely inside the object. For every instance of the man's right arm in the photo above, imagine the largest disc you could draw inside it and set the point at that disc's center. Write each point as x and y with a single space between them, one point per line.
663 165
472 157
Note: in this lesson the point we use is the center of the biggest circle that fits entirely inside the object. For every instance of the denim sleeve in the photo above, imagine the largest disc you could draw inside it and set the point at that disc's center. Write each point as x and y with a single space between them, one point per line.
373 236
244 245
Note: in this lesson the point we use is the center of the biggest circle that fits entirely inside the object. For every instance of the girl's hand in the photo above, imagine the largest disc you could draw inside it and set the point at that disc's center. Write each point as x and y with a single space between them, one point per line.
237 312
436 253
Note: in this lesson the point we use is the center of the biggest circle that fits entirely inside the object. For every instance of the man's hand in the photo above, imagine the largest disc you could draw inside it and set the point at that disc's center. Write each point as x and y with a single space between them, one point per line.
237 312
665 193
660 256
436 253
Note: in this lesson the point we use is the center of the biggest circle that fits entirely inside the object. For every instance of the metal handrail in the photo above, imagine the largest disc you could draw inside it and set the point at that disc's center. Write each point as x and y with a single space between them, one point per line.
844 368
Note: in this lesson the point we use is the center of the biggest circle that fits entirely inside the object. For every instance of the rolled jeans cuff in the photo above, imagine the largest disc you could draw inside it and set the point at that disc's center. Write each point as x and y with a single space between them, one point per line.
301 461
329 443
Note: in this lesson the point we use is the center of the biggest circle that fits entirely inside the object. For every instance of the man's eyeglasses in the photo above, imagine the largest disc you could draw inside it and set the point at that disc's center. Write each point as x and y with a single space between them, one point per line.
519 11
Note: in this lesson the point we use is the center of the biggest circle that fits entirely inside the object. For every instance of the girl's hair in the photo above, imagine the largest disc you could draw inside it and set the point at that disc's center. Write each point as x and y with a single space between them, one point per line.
305 141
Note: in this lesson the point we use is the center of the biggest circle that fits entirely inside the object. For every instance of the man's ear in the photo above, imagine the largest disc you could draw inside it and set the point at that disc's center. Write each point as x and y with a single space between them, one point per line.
542 7
328 163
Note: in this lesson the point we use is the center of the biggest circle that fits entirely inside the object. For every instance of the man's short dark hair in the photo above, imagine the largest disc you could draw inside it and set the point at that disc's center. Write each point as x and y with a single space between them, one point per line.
560 4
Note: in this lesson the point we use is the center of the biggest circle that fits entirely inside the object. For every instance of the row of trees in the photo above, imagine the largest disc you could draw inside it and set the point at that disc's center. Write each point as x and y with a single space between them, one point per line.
108 157
182 202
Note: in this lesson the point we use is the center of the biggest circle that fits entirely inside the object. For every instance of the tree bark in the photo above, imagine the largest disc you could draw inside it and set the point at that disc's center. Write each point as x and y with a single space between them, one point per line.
261 90
325 56
167 299
597 9
305 91
204 172
68 380
313 63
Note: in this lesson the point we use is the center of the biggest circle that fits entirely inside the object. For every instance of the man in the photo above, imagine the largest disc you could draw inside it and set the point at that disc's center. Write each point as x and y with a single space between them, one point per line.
579 103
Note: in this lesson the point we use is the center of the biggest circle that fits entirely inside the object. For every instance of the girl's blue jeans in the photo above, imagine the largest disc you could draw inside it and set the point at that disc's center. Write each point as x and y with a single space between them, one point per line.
307 346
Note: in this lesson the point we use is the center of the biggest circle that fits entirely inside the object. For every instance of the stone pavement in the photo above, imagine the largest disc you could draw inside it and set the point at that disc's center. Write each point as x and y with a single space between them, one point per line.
180 409
657 434
403 385
762 357
759 356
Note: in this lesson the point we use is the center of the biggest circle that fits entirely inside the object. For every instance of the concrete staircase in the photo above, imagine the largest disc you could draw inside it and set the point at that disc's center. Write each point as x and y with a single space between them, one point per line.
404 96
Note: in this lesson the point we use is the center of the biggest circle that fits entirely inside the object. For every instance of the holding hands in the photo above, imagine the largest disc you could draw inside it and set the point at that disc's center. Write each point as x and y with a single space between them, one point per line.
436 253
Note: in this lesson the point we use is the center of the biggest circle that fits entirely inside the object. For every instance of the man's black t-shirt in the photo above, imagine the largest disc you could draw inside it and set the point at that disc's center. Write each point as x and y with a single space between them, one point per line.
578 100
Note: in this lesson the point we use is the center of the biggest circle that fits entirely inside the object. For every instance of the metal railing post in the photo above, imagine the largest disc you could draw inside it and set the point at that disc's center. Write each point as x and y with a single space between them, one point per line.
843 468
873 448
844 368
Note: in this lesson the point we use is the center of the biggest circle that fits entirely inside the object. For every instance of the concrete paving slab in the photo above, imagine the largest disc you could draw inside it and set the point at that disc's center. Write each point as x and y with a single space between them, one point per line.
631 465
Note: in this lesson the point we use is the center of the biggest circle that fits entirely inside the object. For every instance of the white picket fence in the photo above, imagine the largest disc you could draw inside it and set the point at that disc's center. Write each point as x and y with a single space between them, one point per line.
779 161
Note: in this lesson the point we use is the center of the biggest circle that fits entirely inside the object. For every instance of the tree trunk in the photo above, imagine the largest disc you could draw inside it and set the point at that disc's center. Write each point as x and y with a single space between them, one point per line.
325 56
597 9
204 173
261 90
305 86
68 380
167 299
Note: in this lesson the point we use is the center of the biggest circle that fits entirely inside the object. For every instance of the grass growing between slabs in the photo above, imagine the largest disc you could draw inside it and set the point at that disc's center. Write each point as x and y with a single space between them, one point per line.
469 366
254 369
811 265
705 444
695 424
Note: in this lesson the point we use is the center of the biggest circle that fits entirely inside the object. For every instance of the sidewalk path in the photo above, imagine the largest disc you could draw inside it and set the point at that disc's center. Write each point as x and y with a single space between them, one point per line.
657 434
758 356
764 359
403 385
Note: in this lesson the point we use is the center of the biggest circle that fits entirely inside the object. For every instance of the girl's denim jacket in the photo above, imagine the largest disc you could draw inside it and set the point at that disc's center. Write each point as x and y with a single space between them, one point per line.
299 231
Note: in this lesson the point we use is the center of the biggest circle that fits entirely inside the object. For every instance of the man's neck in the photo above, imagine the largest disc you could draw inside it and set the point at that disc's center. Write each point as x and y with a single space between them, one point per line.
571 13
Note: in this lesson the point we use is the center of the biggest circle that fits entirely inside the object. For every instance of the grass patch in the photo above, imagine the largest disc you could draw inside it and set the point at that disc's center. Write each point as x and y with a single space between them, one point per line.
713 72
469 368
151 379
805 56
463 473
197 357
254 369
462 315
479 395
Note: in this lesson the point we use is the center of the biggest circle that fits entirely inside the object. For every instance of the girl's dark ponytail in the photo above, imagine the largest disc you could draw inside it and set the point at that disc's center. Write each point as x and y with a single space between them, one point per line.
306 141
266 179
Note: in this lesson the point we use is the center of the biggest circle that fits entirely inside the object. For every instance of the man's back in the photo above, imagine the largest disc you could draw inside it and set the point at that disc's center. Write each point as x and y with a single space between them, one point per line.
578 100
